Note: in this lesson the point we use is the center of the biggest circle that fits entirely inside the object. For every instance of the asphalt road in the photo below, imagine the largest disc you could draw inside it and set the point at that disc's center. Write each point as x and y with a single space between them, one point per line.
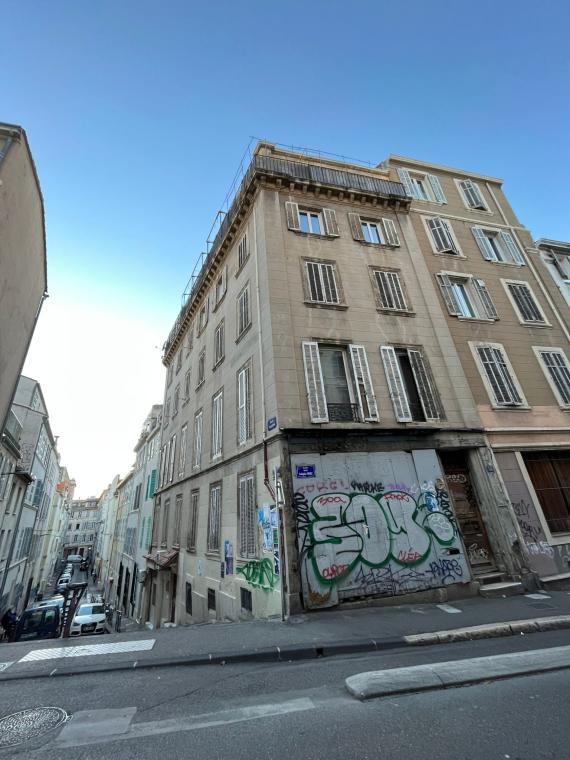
303 710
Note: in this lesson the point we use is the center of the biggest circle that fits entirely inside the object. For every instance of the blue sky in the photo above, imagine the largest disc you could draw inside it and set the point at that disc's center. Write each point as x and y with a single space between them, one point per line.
138 113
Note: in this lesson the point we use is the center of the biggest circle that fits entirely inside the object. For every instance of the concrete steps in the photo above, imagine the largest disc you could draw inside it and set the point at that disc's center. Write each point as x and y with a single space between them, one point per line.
502 588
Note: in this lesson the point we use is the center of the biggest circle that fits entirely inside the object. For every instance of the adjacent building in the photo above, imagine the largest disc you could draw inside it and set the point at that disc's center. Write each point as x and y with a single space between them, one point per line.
82 528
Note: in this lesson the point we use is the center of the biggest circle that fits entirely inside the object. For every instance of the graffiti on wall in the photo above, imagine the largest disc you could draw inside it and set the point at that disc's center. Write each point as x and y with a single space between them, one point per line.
259 573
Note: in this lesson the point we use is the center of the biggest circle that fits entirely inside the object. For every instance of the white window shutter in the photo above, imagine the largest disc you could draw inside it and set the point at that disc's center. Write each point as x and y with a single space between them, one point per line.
390 232
437 190
355 226
395 384
427 393
448 295
512 247
314 380
368 412
292 212
485 298
331 224
483 243
404 176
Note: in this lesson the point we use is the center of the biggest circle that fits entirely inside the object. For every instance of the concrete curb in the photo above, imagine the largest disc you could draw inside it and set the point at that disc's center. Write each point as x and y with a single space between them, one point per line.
445 675
490 630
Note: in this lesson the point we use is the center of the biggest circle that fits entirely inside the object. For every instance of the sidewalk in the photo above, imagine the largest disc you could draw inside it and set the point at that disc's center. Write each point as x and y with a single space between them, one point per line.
301 637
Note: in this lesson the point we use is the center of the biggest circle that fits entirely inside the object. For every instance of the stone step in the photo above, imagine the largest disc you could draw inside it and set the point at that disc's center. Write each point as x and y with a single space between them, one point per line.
493 577
505 588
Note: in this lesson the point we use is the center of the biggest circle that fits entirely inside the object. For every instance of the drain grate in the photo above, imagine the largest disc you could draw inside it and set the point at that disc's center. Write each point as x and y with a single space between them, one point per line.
22 726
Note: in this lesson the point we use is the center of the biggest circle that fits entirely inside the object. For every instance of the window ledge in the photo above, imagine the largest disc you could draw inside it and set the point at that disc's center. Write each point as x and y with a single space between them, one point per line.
477 319
318 236
200 384
450 255
518 408
212 554
243 332
217 305
240 269
396 312
217 364
539 325
316 305
367 244
505 263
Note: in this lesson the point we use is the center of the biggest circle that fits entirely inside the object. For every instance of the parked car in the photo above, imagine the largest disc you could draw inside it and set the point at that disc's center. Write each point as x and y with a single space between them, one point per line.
58 600
39 623
74 558
61 585
69 569
89 618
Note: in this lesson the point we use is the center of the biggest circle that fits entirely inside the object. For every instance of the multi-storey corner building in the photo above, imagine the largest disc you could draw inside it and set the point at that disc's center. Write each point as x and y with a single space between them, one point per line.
82 528
510 330
319 411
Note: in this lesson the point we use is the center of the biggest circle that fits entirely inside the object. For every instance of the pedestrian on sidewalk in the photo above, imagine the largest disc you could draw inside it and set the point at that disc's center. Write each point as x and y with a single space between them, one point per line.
8 623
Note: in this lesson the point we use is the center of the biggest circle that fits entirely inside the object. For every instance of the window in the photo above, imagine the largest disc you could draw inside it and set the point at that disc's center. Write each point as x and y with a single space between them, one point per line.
389 290
211 599
311 221
497 372
524 302
219 343
201 368
188 598
189 339
193 521
177 519
243 251
217 424
183 444
197 448
422 186
247 516
412 389
441 235
375 231
244 403
339 386
179 361
322 282
167 412
165 515
466 297
176 401
203 317
243 311
151 485
245 599
549 472
498 246
555 366
215 518
221 286
136 504
171 458
186 398
471 194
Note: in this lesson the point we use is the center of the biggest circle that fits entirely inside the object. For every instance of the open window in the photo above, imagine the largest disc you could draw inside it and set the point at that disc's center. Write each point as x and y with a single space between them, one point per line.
412 389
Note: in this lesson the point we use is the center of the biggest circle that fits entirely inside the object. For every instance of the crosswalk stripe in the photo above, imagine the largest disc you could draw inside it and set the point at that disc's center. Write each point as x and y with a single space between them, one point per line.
88 650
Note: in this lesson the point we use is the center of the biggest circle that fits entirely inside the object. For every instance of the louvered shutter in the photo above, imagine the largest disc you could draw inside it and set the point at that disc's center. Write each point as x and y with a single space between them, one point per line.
331 224
427 393
243 405
390 232
448 295
368 411
485 298
404 176
484 245
436 188
512 247
314 380
395 384
151 488
292 212
355 226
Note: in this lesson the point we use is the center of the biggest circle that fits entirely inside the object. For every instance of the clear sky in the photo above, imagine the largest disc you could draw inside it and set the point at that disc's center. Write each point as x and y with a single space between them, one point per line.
138 113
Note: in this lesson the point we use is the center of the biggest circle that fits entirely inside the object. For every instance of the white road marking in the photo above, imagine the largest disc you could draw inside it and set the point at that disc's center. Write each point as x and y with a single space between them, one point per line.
82 733
448 608
538 596
88 649
4 666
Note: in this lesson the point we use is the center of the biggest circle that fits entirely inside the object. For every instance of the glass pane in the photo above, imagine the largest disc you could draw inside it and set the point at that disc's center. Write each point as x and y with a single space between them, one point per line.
463 299
334 375
304 221
366 231
374 233
315 223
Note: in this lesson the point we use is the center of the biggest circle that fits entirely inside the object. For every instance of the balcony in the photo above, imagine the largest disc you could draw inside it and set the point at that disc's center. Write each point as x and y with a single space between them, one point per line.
343 413
11 434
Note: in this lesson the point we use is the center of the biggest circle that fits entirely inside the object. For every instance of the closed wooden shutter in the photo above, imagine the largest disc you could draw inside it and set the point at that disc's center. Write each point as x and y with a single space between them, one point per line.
428 395
404 176
331 224
390 232
448 295
247 522
244 426
395 384
511 247
314 380
292 212
487 302
355 227
484 245
438 193
363 382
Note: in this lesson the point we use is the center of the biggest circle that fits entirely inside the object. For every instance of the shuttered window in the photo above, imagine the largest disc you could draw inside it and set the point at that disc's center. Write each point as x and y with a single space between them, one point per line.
197 447
471 194
499 375
555 364
247 521
497 246
172 458
183 445
243 311
525 302
243 251
217 424
165 518
221 286
466 297
314 382
322 282
422 186
152 484
203 317
186 397
375 231
311 221
363 383
215 518
390 290
244 403
412 389
201 374
395 384
192 521
219 343
177 519
442 235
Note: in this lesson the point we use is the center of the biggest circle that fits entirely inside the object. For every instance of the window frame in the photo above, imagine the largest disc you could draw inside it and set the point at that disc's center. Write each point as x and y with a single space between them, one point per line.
528 323
306 263
538 351
219 343
476 288
201 372
251 543
409 178
214 530
248 406
221 278
428 396
426 218
242 252
217 431
474 345
242 329
197 437
488 249
187 386
194 510
203 317
374 271
556 538
182 450
463 195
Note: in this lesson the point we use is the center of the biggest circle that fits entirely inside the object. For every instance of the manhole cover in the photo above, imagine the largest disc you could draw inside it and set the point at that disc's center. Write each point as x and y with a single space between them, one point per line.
29 724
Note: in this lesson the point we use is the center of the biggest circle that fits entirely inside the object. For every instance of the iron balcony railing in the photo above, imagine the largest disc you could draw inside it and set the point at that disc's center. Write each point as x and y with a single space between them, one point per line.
298 171
343 413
